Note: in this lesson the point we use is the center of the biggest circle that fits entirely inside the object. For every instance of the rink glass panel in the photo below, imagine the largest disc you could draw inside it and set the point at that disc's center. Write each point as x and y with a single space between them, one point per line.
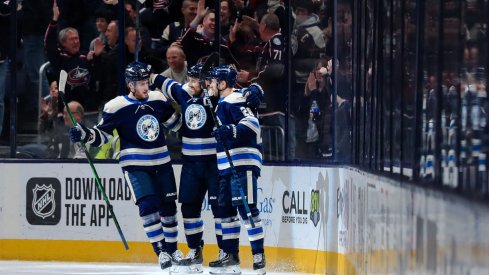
413 75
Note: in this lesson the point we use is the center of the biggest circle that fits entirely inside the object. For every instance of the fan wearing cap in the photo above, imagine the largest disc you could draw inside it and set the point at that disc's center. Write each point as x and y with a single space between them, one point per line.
144 157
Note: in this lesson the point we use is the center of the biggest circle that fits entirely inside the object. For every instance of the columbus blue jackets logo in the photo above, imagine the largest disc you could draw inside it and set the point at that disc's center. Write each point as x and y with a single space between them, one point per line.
43 201
78 77
195 116
315 214
148 128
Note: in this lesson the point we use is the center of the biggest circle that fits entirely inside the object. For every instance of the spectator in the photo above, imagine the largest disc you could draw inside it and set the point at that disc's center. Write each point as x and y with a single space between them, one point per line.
244 42
48 118
63 51
278 8
174 31
110 150
177 64
308 45
316 108
102 19
243 8
105 63
72 149
197 41
145 56
228 15
307 41
69 149
79 14
131 18
269 73
156 18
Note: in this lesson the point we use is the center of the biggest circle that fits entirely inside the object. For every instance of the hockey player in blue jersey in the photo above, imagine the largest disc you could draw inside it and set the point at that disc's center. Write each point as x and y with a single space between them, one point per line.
240 134
144 157
199 170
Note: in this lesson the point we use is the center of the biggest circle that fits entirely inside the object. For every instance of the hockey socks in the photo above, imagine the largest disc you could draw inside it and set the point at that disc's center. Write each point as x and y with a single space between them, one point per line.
218 230
154 231
170 231
255 235
194 228
230 228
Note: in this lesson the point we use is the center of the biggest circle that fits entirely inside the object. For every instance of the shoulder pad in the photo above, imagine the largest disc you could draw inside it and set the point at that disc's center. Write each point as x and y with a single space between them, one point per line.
116 104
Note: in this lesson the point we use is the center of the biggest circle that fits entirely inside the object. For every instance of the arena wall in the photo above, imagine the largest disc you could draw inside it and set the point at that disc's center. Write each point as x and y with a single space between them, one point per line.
317 220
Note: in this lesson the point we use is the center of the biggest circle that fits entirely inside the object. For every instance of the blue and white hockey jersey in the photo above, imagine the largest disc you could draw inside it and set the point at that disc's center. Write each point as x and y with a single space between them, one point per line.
197 142
143 144
246 150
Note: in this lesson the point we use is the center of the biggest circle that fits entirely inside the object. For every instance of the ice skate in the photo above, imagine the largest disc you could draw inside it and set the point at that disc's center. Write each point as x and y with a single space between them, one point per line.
228 263
259 263
173 261
192 263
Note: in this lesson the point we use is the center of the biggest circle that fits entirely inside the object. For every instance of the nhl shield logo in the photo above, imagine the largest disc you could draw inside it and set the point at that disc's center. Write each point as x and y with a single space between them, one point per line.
314 212
43 203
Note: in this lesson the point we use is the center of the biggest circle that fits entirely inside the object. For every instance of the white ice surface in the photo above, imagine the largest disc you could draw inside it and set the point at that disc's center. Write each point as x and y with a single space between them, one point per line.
69 268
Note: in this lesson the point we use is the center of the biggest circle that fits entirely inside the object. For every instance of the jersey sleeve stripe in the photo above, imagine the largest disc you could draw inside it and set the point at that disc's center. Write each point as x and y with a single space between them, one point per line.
144 162
222 158
174 122
252 124
198 146
144 156
143 151
187 140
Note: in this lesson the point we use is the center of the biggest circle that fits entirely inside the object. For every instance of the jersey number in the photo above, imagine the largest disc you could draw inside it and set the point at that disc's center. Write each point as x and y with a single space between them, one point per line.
246 112
277 55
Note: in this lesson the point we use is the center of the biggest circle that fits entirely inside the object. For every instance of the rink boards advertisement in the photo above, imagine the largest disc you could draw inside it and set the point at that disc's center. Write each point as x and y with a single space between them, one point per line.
320 220
61 202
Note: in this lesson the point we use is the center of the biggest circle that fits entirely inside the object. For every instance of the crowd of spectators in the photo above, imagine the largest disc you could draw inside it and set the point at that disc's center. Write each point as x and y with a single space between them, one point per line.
82 38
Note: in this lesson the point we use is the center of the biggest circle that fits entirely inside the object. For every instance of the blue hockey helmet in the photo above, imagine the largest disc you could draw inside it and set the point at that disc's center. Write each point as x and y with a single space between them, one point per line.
136 71
225 72
195 70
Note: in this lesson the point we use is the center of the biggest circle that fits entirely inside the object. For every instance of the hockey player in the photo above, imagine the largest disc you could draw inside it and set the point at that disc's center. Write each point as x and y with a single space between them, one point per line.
239 134
199 170
144 157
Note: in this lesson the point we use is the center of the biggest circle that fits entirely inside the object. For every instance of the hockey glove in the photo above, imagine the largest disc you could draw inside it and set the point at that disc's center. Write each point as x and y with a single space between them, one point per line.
79 133
225 133
236 190
254 95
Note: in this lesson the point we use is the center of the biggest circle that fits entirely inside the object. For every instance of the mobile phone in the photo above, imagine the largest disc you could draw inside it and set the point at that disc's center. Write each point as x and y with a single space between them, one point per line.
239 16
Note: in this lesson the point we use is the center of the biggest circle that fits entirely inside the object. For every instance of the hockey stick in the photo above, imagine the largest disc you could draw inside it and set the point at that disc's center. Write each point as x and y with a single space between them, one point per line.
61 89
210 61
